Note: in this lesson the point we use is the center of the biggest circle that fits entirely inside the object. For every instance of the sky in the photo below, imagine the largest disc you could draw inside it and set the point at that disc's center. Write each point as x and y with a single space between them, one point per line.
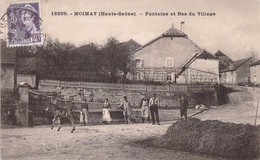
235 29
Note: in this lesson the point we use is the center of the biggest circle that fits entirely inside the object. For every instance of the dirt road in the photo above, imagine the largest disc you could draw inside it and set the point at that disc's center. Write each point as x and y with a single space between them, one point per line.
241 109
88 142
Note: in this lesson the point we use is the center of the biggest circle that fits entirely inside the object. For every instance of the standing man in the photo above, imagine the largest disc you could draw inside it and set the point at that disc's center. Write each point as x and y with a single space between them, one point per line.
154 103
127 110
183 106
145 108
85 112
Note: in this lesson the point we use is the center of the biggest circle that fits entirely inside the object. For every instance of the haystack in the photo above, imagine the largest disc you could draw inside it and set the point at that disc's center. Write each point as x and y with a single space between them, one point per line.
212 137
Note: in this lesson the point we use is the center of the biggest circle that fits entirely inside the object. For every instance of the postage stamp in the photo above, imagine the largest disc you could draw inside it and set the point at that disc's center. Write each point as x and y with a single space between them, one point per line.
23 24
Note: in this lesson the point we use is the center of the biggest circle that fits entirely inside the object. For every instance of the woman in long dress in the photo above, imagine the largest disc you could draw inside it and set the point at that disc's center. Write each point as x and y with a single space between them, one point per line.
106 118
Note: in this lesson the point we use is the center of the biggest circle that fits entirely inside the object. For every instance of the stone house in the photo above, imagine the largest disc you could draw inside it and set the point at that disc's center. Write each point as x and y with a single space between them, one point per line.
255 72
201 68
162 58
237 72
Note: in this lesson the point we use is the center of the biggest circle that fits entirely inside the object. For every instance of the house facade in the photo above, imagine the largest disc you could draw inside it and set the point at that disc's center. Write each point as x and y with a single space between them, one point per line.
237 72
201 68
162 59
7 70
255 72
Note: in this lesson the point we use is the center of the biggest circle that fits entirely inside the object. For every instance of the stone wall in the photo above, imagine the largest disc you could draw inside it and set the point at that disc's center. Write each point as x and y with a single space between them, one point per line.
167 99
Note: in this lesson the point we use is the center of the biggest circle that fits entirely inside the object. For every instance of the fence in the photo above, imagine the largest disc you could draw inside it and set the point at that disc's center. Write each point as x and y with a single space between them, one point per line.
132 87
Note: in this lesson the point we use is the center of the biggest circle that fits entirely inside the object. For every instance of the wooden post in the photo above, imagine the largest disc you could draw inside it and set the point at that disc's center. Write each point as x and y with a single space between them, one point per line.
256 112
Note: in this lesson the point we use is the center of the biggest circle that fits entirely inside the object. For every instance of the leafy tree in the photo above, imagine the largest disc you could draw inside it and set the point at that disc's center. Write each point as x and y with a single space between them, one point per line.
56 58
112 54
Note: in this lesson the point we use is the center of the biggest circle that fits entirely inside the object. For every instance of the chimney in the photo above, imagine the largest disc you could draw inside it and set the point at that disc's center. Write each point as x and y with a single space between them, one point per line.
182 26
172 25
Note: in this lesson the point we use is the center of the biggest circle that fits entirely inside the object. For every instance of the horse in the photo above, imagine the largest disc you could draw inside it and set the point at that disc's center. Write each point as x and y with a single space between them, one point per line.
59 112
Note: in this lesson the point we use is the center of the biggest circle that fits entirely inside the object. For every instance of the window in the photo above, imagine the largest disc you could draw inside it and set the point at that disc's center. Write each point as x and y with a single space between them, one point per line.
139 63
169 77
169 62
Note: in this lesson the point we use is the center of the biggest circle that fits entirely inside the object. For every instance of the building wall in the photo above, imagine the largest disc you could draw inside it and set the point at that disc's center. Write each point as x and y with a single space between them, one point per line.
7 77
222 78
207 65
30 79
155 74
191 76
243 72
201 71
228 77
179 48
255 74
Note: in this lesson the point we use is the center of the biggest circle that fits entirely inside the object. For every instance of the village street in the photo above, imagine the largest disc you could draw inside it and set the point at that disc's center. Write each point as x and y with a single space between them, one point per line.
115 141
90 142
241 109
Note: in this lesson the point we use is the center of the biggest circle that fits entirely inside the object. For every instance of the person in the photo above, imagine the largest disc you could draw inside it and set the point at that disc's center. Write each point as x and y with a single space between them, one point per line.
85 112
10 116
91 96
183 106
28 17
81 118
145 108
127 110
106 118
154 103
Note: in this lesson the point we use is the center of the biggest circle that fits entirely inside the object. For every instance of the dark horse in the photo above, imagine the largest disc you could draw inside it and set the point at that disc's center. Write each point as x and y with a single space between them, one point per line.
59 112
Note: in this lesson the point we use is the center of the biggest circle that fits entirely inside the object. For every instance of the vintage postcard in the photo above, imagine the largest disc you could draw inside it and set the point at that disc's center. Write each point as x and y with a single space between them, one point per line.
130 79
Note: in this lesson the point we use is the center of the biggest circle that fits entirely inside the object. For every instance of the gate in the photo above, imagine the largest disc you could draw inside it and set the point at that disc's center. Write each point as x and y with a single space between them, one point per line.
37 105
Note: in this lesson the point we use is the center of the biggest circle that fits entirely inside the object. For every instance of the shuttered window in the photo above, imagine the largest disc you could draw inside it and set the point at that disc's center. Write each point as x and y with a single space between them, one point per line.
169 62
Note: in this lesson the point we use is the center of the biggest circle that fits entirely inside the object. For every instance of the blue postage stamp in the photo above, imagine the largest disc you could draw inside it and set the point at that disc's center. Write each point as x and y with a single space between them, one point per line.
23 24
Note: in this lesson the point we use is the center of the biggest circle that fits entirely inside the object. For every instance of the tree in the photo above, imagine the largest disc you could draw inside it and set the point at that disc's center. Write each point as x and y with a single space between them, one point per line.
112 54
89 60
56 58
127 64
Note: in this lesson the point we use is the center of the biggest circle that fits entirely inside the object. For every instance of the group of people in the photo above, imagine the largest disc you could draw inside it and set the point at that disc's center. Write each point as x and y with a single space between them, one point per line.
148 108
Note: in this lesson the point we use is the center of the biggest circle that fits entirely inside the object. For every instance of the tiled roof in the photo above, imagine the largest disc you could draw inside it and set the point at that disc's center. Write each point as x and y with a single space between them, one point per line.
174 32
206 55
255 63
222 57
131 44
235 65
224 60
219 53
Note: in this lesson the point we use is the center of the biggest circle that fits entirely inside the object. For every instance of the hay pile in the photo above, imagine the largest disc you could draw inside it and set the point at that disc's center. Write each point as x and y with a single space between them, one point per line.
213 138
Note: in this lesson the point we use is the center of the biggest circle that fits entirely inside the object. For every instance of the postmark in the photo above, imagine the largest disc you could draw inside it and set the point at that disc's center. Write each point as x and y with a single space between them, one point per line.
24 24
